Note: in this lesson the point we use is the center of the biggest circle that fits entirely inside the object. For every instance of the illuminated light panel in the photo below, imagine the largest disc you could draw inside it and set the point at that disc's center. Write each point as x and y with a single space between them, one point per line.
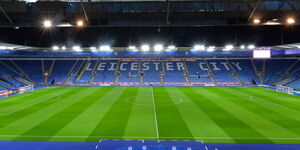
105 48
228 47
251 46
198 48
243 47
262 54
145 48
132 48
171 48
93 49
77 48
211 48
158 48
55 48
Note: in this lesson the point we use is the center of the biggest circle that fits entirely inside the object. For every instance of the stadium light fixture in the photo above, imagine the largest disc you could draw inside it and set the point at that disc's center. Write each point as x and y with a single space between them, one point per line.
145 48
93 49
256 21
198 48
242 47
63 48
228 47
171 48
211 48
251 46
290 21
105 48
158 47
77 48
132 48
55 48
80 23
47 23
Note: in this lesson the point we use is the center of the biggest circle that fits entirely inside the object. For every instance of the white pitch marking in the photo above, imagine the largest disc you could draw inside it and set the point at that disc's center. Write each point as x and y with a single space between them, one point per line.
154 108
129 137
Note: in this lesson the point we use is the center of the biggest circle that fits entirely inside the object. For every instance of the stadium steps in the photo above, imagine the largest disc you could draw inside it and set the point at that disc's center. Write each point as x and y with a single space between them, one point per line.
16 72
69 75
286 81
211 73
236 75
24 81
23 73
286 72
47 74
93 74
6 83
83 68
260 76
187 74
139 73
163 69
116 73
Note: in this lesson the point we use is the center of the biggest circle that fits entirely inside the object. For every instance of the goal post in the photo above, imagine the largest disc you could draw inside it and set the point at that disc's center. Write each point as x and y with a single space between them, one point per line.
285 89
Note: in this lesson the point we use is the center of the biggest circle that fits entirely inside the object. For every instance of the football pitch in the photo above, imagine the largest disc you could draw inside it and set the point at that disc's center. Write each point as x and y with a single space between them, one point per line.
210 114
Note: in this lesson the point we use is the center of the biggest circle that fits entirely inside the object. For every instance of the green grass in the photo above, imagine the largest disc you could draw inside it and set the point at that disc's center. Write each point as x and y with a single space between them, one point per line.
211 114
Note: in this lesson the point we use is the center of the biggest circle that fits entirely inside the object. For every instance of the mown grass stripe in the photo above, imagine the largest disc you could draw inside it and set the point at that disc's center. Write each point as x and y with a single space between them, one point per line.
267 113
115 121
169 119
260 124
62 118
231 124
34 95
267 104
141 122
7 119
81 127
276 97
198 122
30 121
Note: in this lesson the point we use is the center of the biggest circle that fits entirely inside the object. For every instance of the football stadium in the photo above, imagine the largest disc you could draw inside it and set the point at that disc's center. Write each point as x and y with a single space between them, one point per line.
149 75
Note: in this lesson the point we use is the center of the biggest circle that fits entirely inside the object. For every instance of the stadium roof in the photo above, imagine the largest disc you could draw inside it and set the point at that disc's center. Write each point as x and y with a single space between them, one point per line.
235 48
147 12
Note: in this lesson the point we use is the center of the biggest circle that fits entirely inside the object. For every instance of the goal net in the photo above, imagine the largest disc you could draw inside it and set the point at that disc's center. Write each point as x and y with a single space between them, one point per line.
285 89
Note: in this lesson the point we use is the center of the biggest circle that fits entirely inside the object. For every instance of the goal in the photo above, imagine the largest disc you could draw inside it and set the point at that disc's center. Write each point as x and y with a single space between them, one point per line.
285 89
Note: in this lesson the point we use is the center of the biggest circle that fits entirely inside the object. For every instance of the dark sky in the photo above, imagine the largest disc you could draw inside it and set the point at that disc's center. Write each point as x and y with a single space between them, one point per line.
180 36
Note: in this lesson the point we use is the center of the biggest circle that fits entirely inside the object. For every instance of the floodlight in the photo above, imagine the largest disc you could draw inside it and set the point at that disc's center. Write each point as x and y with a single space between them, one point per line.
63 48
105 48
211 48
198 47
132 48
171 48
158 48
290 21
228 47
77 48
145 48
47 23
93 49
55 48
251 46
80 23
256 21
242 47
